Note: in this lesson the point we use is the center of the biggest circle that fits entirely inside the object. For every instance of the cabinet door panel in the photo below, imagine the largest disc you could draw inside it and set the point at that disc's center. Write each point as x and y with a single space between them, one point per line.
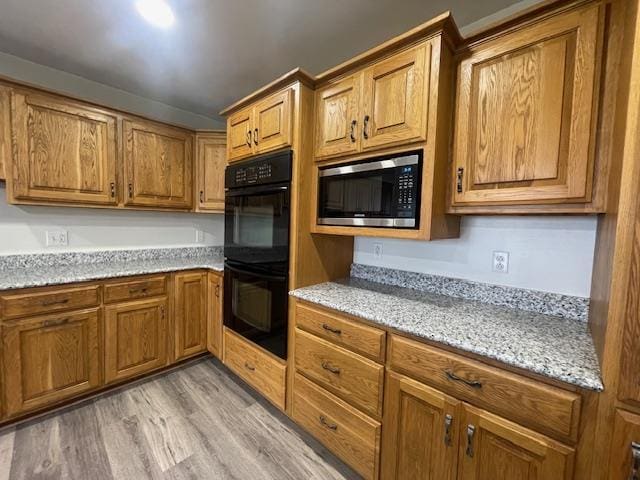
158 165
492 448
215 314
272 122
395 99
5 131
64 151
524 128
212 161
626 444
420 435
135 338
49 359
190 314
240 134
337 126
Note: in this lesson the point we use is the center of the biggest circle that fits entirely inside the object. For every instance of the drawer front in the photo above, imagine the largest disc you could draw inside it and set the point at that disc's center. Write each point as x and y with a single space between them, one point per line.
259 369
133 289
543 407
351 377
35 302
362 339
350 434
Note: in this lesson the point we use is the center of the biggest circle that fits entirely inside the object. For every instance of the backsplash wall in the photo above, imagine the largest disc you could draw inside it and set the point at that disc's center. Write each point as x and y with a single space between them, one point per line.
23 228
550 254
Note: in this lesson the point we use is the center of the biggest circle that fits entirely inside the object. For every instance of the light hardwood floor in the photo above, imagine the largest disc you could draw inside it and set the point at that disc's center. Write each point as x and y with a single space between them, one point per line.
199 422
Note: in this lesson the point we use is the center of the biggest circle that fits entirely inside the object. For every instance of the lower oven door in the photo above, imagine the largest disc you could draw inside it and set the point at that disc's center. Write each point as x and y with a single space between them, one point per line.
255 306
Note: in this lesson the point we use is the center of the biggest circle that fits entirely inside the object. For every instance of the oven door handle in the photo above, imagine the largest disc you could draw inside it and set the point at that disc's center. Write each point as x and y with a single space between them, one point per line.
277 278
257 190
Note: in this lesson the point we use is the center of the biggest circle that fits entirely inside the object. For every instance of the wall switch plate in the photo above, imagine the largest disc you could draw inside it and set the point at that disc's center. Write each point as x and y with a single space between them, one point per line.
57 238
377 250
501 262
199 236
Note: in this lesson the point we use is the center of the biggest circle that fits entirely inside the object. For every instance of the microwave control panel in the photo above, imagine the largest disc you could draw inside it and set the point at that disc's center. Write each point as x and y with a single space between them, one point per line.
407 184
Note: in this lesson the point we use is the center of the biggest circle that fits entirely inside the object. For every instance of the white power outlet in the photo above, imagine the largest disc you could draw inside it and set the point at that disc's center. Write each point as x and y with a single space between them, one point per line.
57 238
199 236
501 262
377 250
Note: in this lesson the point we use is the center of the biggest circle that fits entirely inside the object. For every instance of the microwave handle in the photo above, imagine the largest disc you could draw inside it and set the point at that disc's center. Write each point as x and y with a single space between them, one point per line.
277 278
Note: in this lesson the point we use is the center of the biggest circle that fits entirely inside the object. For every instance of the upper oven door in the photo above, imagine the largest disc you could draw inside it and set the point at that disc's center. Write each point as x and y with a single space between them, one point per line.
381 193
257 224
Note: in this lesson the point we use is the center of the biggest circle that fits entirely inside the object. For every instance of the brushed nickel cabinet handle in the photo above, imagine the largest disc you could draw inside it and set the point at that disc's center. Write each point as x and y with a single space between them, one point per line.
248 366
255 136
218 291
456 378
130 190
635 466
56 322
162 312
471 431
365 134
248 138
133 291
329 328
324 422
49 303
201 196
448 421
327 366
459 174
113 189
353 131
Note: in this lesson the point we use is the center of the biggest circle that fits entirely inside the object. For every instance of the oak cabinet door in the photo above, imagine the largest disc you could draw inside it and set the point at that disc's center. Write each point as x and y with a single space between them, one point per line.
158 165
492 448
64 151
212 161
395 99
240 134
190 314
526 114
215 314
272 122
337 114
135 338
420 434
51 358
5 131
625 447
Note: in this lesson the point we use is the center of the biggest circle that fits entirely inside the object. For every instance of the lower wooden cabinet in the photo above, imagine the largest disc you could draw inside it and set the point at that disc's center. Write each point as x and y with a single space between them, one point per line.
135 338
190 314
421 430
215 314
51 358
625 449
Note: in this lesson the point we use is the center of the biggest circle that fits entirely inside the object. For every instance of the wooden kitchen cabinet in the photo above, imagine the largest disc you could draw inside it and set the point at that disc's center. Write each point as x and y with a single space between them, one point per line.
262 127
215 314
493 448
211 156
5 131
190 314
158 165
64 151
135 338
421 430
625 448
526 114
51 358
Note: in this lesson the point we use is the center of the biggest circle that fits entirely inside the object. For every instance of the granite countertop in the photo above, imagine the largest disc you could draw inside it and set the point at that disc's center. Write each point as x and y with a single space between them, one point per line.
43 270
552 346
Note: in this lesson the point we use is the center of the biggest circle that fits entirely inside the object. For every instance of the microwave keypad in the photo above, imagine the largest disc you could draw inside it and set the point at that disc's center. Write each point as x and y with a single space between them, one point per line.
406 191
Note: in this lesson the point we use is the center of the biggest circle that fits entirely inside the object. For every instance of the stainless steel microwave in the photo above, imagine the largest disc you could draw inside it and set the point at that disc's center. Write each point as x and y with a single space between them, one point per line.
378 192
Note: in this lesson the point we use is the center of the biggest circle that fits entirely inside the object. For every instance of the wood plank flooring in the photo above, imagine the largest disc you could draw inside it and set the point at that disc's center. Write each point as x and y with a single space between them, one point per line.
196 422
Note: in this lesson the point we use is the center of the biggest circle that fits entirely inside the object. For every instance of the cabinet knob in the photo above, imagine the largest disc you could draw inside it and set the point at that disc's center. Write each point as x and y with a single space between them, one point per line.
201 196
248 138
459 174
218 291
255 136
353 131
365 134
130 190
324 422
471 431
113 189
448 421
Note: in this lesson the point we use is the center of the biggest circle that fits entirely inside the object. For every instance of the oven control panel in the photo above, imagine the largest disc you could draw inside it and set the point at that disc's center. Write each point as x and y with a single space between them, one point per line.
253 174
275 168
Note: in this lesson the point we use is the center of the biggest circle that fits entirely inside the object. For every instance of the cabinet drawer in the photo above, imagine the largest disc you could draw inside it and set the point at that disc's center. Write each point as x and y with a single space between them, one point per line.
350 434
49 301
355 379
262 371
547 408
133 289
355 336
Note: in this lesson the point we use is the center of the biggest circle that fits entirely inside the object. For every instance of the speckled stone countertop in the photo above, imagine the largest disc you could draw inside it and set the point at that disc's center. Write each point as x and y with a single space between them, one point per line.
22 271
552 346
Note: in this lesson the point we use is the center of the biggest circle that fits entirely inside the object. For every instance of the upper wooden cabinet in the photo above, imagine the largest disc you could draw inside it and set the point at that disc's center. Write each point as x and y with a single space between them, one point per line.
261 127
65 152
211 155
5 131
158 164
526 114
382 105
190 314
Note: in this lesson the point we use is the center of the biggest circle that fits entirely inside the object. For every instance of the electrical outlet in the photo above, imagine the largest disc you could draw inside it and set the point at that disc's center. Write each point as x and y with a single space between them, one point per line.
57 238
377 250
501 262
199 236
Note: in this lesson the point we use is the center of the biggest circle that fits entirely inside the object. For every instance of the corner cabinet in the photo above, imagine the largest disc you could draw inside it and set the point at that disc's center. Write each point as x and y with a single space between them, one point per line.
526 114
64 152
158 165
262 127
211 159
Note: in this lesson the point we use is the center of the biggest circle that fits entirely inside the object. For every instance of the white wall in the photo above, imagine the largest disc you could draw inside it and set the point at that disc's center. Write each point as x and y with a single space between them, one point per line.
551 254
22 228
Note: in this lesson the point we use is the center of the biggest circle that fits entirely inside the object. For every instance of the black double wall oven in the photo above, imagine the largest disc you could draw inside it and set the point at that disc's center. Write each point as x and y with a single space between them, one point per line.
256 250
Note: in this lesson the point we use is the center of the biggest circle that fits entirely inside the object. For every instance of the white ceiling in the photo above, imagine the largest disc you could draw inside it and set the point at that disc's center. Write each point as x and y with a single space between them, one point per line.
218 50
